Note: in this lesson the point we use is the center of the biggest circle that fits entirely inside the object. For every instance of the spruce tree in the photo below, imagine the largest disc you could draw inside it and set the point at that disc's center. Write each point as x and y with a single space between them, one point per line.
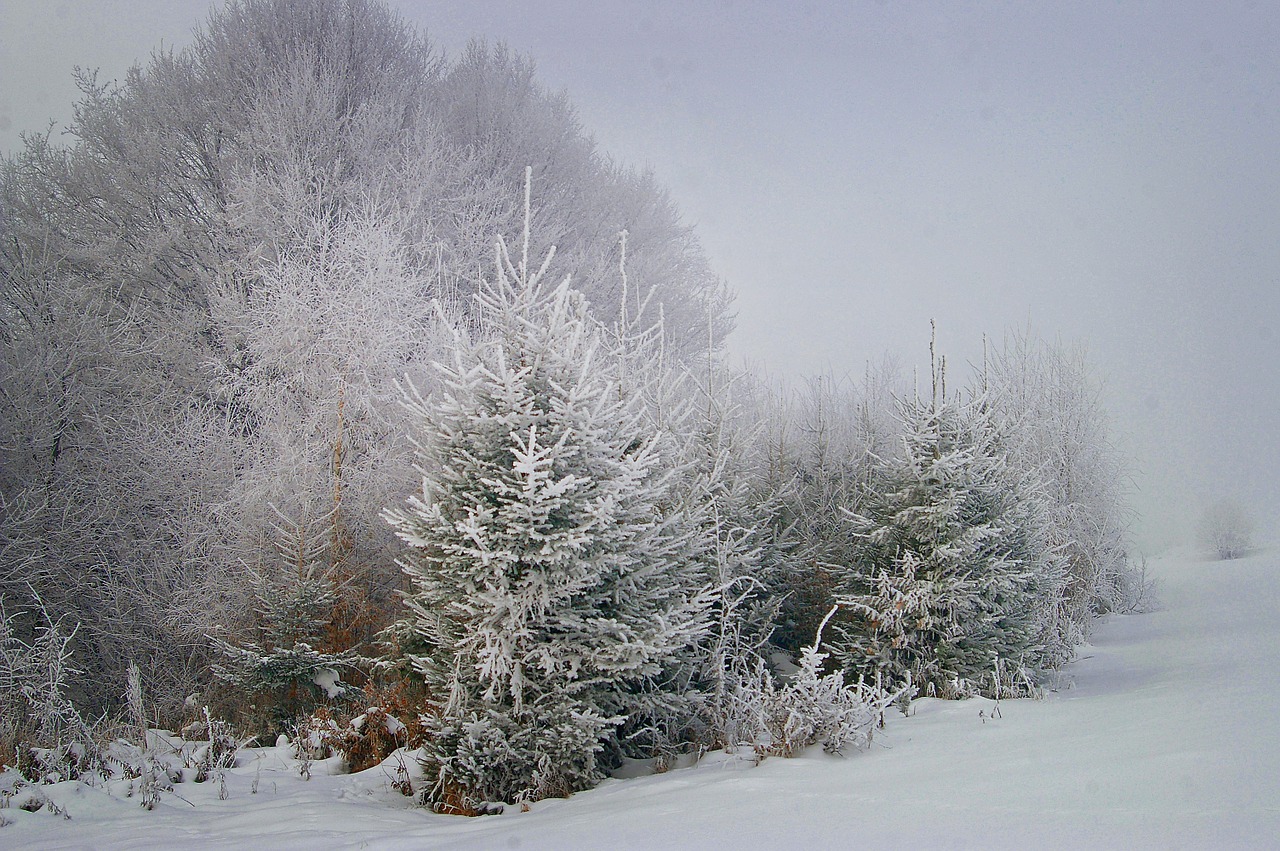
547 550
291 655
955 579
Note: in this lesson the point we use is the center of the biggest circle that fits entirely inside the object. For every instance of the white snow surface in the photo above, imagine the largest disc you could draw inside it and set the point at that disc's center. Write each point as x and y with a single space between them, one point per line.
1164 734
329 682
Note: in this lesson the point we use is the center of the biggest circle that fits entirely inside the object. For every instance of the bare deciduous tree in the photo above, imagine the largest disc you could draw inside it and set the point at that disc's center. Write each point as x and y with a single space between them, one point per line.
205 295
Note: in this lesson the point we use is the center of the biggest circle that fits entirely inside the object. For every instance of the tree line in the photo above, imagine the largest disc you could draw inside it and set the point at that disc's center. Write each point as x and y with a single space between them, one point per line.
336 370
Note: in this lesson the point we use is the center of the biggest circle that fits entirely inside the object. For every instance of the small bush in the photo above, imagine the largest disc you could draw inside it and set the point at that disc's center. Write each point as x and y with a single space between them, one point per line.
366 737
780 717
1227 528
41 732
816 708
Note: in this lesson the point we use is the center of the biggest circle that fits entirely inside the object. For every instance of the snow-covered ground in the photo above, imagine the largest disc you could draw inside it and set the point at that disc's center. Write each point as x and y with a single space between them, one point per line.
1165 734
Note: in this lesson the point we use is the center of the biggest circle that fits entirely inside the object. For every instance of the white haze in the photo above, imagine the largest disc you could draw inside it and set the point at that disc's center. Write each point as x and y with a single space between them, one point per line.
1102 173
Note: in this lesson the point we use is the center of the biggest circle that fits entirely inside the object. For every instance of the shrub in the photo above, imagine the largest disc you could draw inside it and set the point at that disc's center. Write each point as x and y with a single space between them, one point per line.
1227 528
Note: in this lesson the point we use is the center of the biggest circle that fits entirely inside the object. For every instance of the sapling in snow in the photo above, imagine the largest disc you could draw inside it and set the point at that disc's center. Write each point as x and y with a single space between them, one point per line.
295 661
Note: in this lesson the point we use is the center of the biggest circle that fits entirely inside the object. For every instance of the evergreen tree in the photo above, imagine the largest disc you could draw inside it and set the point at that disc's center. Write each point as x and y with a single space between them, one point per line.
550 586
300 644
955 577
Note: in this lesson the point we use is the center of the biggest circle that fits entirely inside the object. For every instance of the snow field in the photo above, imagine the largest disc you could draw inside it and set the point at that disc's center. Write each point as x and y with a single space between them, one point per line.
1162 735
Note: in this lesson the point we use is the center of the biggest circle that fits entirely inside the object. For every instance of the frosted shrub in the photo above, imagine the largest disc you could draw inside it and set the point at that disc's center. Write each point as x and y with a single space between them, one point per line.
363 739
499 754
817 708
212 759
781 718
15 671
40 729
1227 529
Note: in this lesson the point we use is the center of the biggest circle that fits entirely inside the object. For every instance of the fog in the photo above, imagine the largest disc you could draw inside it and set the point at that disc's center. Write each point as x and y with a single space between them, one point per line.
1104 174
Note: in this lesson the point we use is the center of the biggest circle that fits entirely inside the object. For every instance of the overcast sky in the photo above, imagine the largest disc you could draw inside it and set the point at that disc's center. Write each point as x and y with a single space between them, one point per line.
1106 172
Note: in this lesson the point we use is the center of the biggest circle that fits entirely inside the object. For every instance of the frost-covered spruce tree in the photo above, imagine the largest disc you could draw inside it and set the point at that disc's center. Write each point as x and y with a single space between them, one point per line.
549 590
955 577
299 645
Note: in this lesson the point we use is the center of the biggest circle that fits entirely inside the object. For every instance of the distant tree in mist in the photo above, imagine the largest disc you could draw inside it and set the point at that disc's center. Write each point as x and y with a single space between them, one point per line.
1059 431
1227 528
